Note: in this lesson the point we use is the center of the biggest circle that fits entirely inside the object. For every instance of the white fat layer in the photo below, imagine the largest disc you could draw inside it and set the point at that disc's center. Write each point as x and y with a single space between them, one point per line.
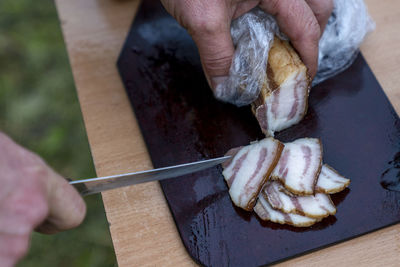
277 199
264 210
241 191
229 170
296 180
329 181
284 95
317 206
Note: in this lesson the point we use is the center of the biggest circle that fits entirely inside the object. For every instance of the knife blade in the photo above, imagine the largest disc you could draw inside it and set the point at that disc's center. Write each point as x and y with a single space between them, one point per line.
100 184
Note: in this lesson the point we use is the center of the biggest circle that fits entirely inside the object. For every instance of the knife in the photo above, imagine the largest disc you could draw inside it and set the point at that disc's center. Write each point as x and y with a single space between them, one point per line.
100 184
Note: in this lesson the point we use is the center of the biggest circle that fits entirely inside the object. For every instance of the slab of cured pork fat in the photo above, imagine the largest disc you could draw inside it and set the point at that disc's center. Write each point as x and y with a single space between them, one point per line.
315 206
264 210
299 165
277 204
330 181
283 98
248 170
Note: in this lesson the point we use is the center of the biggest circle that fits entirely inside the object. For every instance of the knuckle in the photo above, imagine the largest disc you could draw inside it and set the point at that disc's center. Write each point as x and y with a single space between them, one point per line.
312 30
205 23
36 169
294 8
200 17
304 25
218 64
203 26
39 171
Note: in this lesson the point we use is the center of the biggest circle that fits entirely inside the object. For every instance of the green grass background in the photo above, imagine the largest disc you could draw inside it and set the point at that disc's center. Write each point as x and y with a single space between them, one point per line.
40 110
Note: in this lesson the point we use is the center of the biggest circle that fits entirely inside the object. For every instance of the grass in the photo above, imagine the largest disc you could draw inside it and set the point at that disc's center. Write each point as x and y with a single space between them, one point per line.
40 110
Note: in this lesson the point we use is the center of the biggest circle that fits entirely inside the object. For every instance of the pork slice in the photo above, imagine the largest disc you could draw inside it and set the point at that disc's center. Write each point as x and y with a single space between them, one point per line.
249 169
299 166
264 210
314 206
330 181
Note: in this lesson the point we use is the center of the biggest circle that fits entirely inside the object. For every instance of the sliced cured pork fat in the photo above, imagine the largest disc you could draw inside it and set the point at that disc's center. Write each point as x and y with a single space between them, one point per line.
314 206
330 181
299 166
264 210
249 169
283 98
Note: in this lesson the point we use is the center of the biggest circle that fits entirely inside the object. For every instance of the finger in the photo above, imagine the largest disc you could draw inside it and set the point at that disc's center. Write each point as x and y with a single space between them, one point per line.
216 53
243 7
45 198
322 10
24 210
12 248
298 22
66 207
7 261
213 39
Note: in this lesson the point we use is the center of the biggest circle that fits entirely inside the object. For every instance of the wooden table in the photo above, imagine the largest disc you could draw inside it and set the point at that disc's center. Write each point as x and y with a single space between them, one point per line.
142 228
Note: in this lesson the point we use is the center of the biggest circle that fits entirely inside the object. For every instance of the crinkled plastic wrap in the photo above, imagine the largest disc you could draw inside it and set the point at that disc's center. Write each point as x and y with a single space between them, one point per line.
346 29
253 33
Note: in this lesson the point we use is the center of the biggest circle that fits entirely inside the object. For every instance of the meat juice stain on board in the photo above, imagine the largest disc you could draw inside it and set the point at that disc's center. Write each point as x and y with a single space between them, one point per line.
390 178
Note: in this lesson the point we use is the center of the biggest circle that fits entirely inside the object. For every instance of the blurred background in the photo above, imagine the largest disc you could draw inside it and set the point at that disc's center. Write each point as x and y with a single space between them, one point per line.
39 109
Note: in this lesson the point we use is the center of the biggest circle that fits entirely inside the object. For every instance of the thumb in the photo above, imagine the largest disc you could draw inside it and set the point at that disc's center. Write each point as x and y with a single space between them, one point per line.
66 207
298 22
216 50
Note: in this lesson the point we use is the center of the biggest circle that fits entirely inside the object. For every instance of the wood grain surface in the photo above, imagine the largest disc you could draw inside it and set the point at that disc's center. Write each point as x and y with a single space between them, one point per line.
141 226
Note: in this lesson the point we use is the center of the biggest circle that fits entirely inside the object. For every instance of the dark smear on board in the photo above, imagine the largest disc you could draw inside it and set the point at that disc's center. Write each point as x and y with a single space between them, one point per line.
391 176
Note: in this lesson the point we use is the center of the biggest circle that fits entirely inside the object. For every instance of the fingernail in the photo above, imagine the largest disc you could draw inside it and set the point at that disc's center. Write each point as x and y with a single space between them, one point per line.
217 80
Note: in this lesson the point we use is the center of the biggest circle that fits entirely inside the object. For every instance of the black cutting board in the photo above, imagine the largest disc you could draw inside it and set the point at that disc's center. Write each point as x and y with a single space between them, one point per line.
182 122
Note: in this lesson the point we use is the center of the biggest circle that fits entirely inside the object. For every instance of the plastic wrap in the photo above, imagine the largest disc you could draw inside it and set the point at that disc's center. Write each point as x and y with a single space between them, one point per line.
253 33
343 35
252 36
